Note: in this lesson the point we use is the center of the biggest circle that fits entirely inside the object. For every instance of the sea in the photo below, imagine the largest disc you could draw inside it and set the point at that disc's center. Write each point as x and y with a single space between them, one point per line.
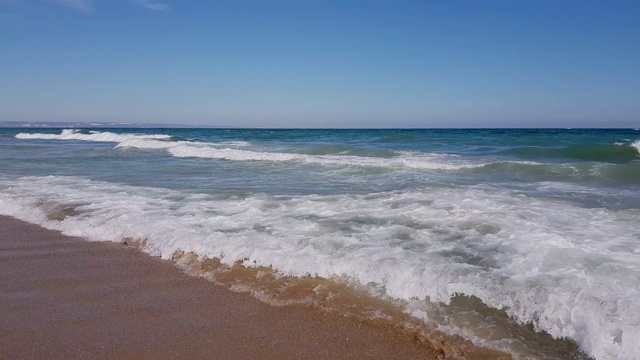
521 240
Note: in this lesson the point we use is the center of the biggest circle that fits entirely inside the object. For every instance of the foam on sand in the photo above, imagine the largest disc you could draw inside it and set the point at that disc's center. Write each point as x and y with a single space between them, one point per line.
571 272
58 291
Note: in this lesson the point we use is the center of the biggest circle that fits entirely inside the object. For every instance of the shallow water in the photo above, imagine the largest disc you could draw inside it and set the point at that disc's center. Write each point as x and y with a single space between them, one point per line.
510 238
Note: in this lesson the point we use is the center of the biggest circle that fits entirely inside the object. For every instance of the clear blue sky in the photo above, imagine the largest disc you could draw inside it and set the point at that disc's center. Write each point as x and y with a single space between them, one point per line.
322 63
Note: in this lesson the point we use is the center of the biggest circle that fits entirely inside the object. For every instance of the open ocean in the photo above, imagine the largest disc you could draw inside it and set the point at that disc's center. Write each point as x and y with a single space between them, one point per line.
521 240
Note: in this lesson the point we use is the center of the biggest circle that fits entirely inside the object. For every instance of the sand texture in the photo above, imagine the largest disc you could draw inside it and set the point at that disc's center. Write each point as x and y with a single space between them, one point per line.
63 297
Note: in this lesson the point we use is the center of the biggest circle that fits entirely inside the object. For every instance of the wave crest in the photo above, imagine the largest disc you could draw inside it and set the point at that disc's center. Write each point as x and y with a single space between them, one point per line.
99 136
571 272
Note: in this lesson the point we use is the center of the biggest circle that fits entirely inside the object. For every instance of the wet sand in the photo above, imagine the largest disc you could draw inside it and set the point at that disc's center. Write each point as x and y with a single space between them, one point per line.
63 297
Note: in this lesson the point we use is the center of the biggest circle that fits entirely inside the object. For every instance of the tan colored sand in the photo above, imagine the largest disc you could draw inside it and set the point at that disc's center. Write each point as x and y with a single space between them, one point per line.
63 297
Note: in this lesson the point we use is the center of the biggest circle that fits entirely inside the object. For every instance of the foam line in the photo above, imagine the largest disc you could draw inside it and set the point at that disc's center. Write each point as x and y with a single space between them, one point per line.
572 272
73 134
221 151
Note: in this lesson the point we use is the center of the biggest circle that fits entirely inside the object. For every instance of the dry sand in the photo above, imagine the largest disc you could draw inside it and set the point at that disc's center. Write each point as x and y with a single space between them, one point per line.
63 297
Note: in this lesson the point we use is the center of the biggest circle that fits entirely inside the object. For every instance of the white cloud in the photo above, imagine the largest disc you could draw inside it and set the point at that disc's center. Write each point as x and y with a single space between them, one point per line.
153 5
82 5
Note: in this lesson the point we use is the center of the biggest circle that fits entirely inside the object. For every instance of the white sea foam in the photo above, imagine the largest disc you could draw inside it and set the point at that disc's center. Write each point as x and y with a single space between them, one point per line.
229 151
636 145
100 136
73 134
572 272
413 160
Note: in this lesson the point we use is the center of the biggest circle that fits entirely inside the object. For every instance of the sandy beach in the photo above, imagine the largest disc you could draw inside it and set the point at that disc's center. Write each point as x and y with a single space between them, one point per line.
63 297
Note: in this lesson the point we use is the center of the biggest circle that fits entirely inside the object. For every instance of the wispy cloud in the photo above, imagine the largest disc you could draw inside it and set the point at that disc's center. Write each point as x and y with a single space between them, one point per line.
82 5
153 5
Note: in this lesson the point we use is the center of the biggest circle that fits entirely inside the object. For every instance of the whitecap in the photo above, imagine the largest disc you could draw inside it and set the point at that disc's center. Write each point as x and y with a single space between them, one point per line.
548 263
74 134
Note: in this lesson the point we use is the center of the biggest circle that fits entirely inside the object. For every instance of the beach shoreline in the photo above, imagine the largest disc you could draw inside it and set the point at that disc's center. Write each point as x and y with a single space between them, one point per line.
64 297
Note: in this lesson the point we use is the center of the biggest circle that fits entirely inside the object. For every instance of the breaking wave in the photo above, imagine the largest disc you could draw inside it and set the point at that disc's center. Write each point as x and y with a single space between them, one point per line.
74 134
571 272
232 151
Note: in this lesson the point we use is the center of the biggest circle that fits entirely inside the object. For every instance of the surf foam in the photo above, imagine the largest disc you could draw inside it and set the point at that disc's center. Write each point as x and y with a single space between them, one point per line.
229 151
186 149
74 134
636 145
572 272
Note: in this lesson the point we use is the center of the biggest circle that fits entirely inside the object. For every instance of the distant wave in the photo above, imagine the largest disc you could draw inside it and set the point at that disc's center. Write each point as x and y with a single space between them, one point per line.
615 153
342 156
105 136
99 136
229 151
204 150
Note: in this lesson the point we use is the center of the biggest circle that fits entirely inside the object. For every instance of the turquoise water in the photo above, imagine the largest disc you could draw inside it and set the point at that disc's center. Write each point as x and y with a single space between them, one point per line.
543 225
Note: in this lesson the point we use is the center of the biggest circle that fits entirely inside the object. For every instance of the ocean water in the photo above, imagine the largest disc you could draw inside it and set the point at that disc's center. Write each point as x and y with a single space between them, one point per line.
527 241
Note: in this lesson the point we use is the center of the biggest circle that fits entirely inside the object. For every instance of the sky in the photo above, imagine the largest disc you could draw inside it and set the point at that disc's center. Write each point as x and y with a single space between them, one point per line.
322 63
